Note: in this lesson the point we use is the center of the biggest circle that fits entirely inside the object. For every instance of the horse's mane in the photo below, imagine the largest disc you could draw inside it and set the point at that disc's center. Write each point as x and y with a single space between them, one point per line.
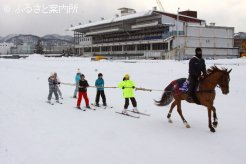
214 69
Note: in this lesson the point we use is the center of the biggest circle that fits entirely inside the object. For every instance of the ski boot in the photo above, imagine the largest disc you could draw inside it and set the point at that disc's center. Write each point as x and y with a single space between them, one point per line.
124 111
135 110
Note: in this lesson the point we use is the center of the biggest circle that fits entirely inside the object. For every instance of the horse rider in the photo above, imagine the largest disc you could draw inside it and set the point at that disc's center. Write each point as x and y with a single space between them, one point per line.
196 67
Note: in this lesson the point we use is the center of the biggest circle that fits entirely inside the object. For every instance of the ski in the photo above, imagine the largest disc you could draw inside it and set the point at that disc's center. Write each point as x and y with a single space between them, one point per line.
128 115
145 114
58 102
51 103
101 106
105 107
91 108
80 109
59 98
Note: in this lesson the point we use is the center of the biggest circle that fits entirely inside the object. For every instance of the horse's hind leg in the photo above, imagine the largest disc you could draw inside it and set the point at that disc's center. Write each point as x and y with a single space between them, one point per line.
181 115
170 111
215 123
209 120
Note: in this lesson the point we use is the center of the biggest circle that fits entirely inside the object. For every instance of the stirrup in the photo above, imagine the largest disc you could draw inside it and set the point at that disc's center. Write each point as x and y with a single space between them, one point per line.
189 99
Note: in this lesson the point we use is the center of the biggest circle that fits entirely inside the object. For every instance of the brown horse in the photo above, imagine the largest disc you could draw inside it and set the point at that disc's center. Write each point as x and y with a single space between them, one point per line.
206 94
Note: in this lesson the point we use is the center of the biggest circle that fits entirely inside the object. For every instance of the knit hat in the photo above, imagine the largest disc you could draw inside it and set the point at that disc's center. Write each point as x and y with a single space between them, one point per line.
100 74
126 76
198 52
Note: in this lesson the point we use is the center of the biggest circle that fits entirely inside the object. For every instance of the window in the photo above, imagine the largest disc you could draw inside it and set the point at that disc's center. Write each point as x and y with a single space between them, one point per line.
160 46
129 48
107 48
117 48
87 49
143 47
95 49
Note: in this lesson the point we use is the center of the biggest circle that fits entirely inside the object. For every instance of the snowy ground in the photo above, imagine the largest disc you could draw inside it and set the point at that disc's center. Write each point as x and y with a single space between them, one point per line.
34 132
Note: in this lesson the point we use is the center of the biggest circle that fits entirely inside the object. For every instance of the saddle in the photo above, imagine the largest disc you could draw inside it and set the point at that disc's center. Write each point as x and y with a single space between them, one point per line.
182 86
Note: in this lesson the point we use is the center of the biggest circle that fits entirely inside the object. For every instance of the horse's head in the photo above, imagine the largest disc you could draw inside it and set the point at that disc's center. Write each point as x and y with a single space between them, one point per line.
224 80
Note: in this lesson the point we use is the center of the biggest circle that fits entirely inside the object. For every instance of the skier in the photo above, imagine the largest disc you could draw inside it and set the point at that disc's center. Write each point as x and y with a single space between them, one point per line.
52 87
82 85
128 87
77 78
100 90
58 85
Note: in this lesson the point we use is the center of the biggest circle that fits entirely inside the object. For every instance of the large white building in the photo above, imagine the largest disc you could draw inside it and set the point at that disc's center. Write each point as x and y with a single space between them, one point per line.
154 34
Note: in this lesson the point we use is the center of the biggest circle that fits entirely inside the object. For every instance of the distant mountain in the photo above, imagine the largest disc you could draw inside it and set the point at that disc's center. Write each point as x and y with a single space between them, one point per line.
58 37
20 39
53 39
4 39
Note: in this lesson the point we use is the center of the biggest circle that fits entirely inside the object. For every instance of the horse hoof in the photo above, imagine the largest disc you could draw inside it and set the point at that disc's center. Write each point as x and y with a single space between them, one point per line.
215 124
187 125
212 130
170 121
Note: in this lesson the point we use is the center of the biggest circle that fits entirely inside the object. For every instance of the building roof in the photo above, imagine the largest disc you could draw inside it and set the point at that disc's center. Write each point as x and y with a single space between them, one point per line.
183 18
112 20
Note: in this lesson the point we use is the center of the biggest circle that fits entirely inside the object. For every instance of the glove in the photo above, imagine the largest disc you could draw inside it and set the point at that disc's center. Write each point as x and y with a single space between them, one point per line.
133 87
123 87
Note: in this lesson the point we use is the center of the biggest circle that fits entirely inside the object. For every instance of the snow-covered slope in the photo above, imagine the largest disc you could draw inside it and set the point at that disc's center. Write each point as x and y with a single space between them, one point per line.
34 132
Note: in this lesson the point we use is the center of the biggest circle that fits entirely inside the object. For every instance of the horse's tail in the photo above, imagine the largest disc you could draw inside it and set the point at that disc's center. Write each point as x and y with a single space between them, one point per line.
167 96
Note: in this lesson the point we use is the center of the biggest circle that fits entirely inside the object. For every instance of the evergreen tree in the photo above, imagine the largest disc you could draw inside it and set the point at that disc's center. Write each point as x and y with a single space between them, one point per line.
39 48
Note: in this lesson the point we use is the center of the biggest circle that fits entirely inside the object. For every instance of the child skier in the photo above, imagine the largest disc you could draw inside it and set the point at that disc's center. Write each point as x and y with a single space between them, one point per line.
52 87
58 85
82 85
100 90
128 87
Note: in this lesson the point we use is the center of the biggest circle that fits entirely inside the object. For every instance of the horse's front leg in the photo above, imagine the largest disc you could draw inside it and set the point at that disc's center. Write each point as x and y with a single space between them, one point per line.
181 115
215 123
209 120
170 111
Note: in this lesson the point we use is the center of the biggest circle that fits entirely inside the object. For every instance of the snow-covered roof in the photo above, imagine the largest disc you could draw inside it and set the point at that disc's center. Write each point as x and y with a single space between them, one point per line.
184 18
112 20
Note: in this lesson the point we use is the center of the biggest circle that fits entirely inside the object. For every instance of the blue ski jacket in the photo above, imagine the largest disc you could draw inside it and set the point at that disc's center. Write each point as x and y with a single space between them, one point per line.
100 84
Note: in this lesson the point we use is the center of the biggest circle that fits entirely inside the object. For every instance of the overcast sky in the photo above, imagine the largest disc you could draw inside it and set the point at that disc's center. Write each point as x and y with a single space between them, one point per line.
17 21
